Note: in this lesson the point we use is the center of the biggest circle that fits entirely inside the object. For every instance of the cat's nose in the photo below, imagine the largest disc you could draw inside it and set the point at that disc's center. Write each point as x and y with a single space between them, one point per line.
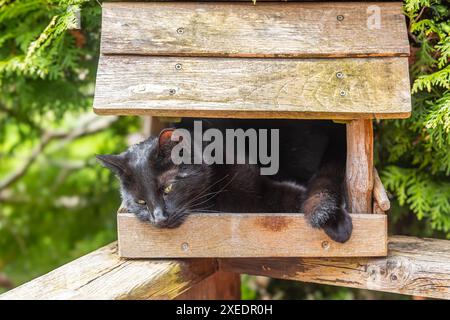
158 216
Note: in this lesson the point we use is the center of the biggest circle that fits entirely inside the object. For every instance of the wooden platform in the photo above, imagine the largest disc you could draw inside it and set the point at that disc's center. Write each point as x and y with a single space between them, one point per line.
248 235
269 60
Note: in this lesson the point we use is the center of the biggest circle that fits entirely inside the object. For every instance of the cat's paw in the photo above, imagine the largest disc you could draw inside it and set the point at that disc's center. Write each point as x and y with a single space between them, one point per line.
340 228
319 209
324 213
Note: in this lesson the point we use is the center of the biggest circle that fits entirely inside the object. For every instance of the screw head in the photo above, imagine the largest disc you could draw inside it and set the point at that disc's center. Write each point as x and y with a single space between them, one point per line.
185 246
340 17
180 30
339 75
178 66
342 93
171 92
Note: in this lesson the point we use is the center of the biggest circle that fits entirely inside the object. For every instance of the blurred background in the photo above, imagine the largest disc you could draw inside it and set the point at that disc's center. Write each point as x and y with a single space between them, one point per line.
57 203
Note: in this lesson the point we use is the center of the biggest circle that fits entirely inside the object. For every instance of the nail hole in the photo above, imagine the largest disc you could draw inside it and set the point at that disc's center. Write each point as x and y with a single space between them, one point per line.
325 245
342 93
171 92
340 17
185 246
178 66
339 75
180 30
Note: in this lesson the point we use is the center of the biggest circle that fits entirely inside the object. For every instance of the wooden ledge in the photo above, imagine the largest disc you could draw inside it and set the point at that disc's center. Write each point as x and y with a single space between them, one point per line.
103 275
248 235
413 266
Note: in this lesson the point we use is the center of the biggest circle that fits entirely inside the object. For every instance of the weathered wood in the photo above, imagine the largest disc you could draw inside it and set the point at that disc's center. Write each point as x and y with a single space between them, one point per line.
248 235
379 193
359 167
219 286
419 267
377 209
261 30
254 88
413 266
103 275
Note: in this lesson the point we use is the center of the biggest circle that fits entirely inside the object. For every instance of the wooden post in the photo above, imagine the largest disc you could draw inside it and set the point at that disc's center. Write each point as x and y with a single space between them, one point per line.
219 286
359 170
152 126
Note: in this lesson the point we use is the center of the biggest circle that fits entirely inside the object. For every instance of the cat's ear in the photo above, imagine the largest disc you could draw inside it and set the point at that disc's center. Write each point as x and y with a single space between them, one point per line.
165 138
165 142
116 163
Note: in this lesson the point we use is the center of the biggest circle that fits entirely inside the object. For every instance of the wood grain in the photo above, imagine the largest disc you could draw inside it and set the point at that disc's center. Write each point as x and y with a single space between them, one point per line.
419 267
247 30
103 275
379 193
248 235
359 165
254 88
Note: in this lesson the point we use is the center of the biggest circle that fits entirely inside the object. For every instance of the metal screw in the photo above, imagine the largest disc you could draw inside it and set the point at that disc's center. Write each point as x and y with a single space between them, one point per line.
339 75
325 245
185 246
180 30
343 93
171 92
178 66
340 17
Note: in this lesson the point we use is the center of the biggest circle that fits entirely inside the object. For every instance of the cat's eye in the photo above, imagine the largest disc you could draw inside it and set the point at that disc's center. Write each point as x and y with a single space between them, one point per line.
142 202
168 189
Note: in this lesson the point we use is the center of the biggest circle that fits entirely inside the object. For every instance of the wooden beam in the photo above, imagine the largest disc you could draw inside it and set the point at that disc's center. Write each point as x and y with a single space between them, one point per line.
263 30
103 275
419 267
253 88
359 167
248 235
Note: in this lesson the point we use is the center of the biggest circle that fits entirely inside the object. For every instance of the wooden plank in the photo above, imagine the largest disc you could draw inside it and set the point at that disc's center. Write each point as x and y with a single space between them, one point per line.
253 88
248 235
414 266
103 275
220 286
359 165
262 30
379 193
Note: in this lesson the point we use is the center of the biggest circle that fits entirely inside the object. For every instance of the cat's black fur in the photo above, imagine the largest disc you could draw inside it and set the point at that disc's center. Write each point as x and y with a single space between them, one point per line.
312 153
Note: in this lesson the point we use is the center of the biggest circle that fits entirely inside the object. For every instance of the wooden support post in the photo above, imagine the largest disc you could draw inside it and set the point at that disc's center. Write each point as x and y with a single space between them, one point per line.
152 126
220 286
359 171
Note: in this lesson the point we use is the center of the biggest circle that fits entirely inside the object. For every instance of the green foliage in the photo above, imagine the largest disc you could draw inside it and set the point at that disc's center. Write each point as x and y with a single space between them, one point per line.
63 205
415 153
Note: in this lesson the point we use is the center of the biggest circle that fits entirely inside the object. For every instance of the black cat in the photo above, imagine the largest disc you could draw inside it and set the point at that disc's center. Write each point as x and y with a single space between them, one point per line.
312 153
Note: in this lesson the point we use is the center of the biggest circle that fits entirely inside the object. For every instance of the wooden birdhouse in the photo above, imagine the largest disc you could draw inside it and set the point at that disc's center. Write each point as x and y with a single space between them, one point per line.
314 60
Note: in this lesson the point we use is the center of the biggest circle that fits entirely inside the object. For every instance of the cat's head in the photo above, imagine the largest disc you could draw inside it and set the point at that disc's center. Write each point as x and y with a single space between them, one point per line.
153 187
